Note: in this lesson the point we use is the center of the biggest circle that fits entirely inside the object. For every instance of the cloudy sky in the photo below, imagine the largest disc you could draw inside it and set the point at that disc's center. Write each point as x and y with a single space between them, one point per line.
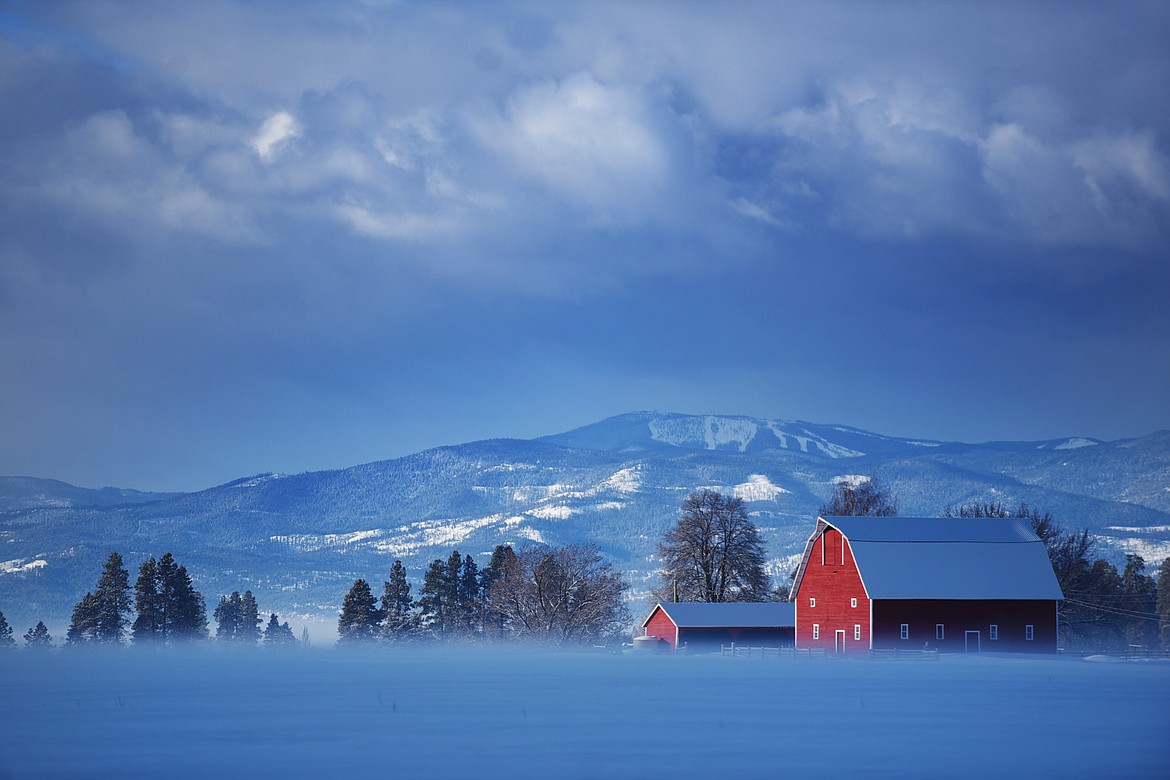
239 237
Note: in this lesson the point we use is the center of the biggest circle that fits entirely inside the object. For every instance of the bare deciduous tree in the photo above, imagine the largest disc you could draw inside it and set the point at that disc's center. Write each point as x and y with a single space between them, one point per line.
562 595
860 498
714 553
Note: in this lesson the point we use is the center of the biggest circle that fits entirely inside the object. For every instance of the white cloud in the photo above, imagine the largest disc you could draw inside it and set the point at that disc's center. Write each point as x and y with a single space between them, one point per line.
105 168
1125 163
1103 189
594 144
277 130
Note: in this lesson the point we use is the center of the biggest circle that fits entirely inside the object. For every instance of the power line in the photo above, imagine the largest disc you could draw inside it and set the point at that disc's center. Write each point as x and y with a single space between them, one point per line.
1114 610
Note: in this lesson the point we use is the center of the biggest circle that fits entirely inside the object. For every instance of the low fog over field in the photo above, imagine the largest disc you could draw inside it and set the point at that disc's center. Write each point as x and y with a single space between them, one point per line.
531 714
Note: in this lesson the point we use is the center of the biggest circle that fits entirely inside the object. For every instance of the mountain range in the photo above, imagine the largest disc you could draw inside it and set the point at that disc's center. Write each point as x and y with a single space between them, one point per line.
299 541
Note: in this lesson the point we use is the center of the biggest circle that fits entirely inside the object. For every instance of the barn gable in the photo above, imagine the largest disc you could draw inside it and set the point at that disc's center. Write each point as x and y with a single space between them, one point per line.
943 558
944 583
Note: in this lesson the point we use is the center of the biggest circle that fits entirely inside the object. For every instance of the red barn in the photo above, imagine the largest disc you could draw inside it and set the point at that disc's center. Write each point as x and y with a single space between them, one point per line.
703 626
955 585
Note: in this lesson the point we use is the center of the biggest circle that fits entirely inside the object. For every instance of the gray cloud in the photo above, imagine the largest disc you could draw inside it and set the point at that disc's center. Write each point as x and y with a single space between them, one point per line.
307 235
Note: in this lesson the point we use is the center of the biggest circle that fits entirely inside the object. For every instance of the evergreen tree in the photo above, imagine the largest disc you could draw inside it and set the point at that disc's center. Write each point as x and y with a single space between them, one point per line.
360 616
101 615
38 637
453 619
185 616
83 625
398 619
503 567
6 640
434 599
249 623
169 607
277 634
1141 598
469 597
502 560
1163 605
148 602
113 601
227 617
238 619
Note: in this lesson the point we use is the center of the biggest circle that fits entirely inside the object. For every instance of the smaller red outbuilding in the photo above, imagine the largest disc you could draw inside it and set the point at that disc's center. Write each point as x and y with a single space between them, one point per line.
703 626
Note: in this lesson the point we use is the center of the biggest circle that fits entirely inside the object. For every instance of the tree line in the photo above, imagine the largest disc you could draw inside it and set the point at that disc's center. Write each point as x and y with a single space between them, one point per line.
163 608
570 594
559 595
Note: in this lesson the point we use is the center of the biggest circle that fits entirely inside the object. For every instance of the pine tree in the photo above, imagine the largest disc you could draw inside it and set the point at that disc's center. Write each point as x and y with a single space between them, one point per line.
6 640
398 618
238 619
227 617
360 616
249 621
469 598
113 601
433 599
1163 605
101 615
169 607
185 617
1141 597
38 637
503 566
277 634
83 624
453 619
148 602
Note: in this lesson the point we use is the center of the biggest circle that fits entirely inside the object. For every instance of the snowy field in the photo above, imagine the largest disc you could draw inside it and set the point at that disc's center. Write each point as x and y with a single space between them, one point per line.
531 714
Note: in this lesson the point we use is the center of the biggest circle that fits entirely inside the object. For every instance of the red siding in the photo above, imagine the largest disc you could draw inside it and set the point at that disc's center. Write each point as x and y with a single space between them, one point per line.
712 639
833 584
661 626
958 617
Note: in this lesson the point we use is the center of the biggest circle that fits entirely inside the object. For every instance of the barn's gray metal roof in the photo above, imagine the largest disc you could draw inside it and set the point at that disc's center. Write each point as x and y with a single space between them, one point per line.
740 614
947 558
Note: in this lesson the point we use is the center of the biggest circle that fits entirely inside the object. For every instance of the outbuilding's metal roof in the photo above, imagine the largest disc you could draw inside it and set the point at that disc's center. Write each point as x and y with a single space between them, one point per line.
945 558
739 614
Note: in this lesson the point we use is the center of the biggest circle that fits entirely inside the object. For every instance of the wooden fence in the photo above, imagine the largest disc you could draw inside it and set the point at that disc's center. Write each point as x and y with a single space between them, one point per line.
747 651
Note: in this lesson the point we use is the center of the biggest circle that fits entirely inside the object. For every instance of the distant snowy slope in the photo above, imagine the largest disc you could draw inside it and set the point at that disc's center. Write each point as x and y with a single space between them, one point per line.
298 541
651 431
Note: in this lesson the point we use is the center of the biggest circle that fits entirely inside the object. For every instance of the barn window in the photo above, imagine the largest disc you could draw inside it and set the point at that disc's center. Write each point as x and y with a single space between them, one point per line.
905 630
993 633
938 630
812 602
816 631
1028 633
853 603
857 632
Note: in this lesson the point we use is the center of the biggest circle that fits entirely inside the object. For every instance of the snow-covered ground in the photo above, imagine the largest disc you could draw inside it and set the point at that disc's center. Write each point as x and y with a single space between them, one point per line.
530 714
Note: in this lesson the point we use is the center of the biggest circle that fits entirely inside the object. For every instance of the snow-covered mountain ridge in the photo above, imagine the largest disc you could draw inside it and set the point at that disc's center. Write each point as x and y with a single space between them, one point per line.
298 541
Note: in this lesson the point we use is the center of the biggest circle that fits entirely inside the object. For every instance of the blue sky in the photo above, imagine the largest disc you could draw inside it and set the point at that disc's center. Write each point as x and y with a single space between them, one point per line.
272 236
